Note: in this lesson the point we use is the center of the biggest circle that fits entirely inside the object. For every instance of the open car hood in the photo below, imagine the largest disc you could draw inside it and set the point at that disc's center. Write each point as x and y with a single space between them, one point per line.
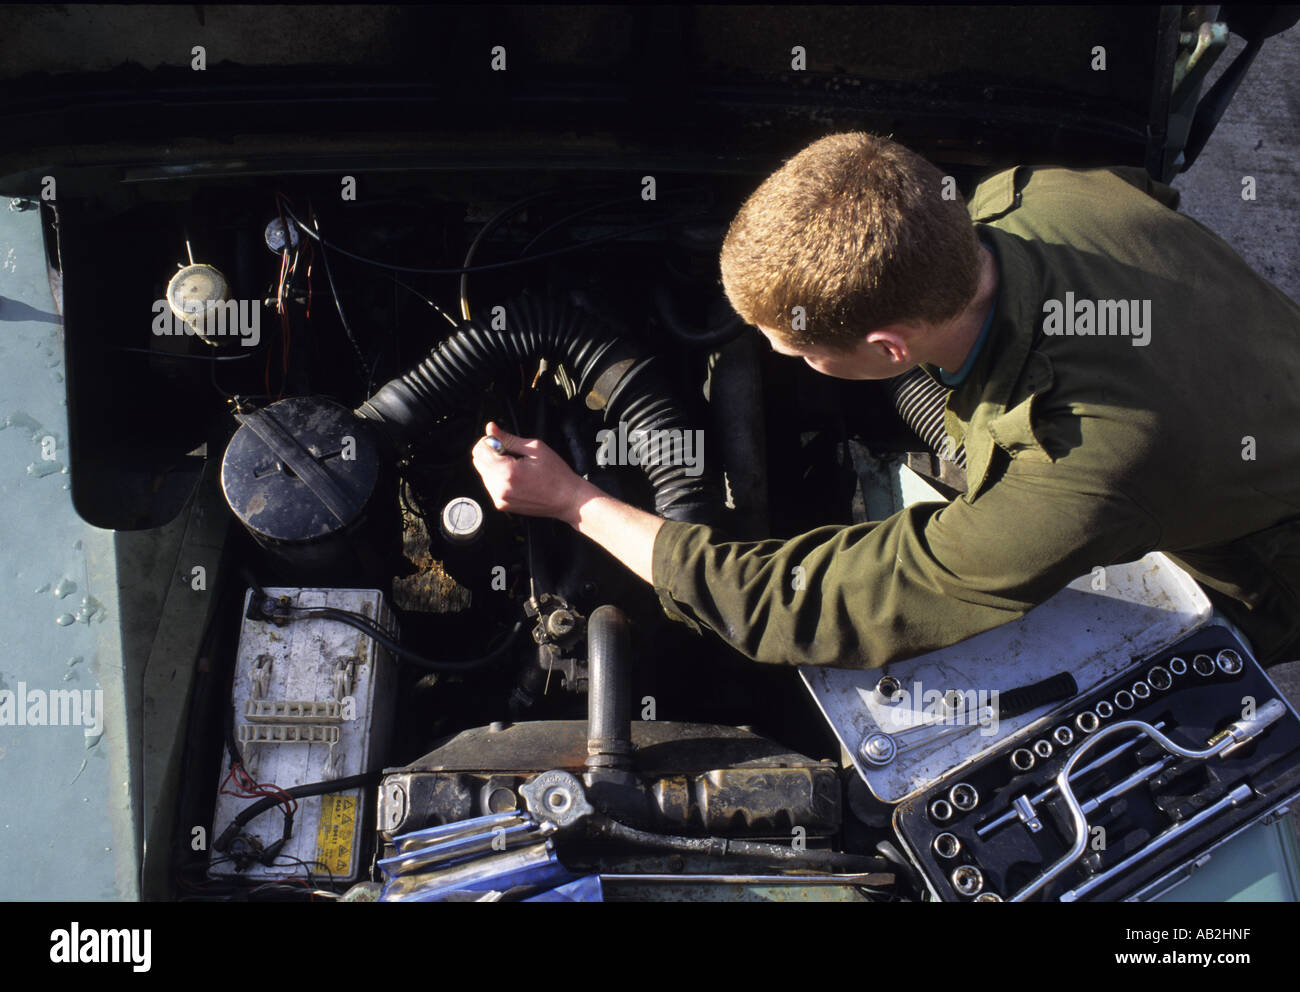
288 87
140 112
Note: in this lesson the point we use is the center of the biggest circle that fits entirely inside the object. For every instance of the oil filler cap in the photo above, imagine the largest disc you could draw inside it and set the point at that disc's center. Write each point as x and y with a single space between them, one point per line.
462 520
299 470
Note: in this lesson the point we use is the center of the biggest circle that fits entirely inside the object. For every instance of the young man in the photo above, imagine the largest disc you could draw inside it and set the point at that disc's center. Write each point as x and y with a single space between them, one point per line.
1120 379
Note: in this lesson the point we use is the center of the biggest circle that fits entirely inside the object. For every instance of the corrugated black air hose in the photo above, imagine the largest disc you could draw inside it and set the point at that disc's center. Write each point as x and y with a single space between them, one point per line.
921 402
609 371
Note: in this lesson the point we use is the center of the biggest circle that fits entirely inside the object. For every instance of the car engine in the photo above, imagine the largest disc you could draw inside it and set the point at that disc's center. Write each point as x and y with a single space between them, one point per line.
405 694
338 363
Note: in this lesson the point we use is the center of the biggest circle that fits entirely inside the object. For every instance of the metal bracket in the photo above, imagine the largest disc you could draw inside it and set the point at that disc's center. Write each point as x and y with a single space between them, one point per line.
1281 813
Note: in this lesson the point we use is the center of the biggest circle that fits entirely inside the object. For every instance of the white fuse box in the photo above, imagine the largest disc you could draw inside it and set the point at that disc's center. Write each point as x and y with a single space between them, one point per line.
313 701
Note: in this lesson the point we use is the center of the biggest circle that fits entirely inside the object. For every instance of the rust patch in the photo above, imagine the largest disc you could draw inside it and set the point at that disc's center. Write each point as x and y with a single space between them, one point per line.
430 589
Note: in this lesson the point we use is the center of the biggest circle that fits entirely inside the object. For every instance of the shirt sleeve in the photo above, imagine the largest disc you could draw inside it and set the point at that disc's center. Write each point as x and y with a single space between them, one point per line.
933 574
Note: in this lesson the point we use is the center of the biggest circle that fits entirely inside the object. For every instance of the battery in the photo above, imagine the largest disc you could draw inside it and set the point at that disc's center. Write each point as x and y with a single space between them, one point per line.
313 701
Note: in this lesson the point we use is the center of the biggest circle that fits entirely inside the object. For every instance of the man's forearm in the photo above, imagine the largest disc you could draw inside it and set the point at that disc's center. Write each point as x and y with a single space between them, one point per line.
624 531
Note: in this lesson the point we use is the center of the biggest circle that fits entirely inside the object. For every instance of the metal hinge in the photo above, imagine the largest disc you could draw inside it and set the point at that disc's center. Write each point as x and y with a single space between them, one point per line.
1277 814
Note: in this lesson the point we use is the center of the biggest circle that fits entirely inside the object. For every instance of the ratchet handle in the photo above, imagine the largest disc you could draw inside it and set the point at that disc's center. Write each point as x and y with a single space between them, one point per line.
1054 688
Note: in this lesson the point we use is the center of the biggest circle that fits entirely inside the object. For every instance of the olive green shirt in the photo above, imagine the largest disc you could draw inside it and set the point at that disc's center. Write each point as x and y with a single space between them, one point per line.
1176 432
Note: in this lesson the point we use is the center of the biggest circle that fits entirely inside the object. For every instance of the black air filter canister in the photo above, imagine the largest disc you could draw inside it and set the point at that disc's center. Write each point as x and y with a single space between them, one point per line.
305 479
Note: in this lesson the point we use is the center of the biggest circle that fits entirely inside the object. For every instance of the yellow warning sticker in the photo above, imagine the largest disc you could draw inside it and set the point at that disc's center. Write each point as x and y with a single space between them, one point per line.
336 835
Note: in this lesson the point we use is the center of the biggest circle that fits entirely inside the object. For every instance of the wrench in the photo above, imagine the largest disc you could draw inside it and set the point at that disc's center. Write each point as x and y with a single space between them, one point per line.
879 748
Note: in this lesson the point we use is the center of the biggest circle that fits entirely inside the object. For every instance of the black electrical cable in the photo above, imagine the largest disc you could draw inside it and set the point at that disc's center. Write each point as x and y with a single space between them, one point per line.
728 330
212 377
228 885
515 208
446 316
265 607
232 745
308 866
190 358
726 847
491 225
493 266
367 372
364 624
269 854
255 809
523 253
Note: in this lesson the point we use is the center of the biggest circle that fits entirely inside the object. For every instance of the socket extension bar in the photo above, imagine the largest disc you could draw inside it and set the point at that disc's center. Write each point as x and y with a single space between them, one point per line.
1117 792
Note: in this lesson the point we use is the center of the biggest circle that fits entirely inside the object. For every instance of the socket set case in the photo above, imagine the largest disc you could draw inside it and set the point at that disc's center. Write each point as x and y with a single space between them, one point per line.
1093 634
1162 762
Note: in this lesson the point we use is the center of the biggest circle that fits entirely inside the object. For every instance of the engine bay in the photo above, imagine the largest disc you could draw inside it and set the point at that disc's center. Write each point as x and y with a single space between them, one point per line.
403 693
339 406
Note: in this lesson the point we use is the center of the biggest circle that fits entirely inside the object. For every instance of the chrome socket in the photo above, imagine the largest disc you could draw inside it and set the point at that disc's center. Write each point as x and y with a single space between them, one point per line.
1141 690
887 689
1022 759
1204 665
1105 710
1159 678
1063 736
946 845
1124 699
941 811
1087 722
988 897
1178 666
1043 748
963 796
967 880
1229 661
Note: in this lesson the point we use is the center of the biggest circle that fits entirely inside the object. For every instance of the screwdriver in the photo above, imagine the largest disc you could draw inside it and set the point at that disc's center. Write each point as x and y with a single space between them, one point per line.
496 445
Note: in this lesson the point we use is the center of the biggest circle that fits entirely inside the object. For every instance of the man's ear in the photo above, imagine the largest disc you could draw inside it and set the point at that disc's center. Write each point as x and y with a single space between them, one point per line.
892 343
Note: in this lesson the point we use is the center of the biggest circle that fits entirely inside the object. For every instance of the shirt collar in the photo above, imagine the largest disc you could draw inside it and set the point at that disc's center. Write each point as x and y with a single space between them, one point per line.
986 391
954 379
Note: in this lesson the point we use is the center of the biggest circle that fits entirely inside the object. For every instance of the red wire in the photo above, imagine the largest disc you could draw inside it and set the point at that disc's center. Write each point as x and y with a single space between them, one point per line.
279 292
284 320
279 299
250 789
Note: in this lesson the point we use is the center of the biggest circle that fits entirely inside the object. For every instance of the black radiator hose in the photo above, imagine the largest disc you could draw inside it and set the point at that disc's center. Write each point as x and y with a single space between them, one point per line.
609 372
609 696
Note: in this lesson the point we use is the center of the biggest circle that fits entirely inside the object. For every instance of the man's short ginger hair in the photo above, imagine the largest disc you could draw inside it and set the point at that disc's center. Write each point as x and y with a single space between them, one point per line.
857 231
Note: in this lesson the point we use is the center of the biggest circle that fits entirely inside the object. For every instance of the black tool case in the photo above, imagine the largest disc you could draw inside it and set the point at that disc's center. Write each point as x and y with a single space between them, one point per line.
1158 811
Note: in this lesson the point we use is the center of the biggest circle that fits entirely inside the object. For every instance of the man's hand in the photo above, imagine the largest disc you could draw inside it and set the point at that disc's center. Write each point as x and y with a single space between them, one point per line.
527 477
